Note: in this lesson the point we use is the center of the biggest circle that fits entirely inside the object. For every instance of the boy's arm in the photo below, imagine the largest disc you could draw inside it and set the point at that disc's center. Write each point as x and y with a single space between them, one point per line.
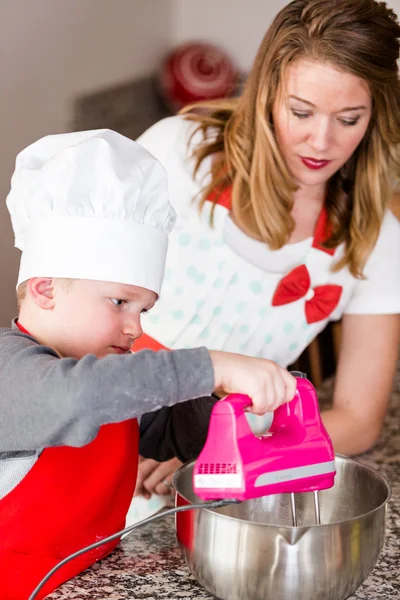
47 401
179 430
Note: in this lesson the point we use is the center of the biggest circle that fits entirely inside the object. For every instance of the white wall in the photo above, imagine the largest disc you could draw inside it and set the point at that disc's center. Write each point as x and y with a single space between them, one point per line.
237 25
50 51
395 4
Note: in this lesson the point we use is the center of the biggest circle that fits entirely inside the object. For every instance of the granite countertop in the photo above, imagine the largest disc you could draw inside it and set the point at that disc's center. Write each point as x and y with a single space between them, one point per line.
149 565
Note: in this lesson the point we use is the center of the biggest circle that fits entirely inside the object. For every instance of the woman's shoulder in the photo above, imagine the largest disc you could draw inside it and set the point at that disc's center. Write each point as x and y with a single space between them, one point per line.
169 137
388 241
390 223
379 291
175 125
383 262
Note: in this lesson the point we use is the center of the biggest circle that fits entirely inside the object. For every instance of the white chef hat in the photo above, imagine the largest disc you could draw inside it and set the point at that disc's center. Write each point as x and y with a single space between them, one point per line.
91 205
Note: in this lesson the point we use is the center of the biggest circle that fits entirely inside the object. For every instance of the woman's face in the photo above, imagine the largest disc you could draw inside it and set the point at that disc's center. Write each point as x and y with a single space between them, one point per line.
320 119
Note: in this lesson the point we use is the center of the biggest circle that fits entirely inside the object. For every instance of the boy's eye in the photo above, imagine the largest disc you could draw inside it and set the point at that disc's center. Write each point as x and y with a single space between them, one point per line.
118 301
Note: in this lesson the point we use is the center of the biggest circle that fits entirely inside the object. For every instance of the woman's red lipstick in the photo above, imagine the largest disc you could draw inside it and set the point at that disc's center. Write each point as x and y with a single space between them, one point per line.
313 164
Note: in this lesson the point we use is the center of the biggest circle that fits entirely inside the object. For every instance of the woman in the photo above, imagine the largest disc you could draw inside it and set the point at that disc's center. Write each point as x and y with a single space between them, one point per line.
282 199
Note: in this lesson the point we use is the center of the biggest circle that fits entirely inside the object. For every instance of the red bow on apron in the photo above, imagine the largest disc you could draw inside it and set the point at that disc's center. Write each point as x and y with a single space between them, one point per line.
321 300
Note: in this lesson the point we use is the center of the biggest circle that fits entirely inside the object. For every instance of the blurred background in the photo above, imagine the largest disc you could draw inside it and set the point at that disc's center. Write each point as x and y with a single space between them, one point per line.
82 64
61 60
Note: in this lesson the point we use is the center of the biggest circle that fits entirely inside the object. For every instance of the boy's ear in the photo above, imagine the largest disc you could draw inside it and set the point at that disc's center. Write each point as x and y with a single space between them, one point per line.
41 290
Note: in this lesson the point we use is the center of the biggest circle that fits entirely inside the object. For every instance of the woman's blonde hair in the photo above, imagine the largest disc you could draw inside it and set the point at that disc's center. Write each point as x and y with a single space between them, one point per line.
357 36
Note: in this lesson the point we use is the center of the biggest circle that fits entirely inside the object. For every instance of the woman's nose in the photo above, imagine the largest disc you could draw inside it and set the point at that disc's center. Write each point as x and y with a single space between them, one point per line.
320 138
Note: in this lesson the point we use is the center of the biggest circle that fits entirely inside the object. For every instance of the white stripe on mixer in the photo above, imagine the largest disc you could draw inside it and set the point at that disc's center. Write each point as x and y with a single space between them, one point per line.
296 473
228 480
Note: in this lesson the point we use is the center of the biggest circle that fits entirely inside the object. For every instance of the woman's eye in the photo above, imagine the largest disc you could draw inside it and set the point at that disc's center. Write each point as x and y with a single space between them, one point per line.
300 115
117 301
349 122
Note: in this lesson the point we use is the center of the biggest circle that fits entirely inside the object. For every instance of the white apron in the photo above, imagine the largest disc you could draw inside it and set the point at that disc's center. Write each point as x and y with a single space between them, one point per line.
212 297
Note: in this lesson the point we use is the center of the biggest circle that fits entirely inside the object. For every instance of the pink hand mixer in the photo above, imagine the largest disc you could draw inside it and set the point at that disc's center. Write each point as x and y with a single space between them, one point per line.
296 455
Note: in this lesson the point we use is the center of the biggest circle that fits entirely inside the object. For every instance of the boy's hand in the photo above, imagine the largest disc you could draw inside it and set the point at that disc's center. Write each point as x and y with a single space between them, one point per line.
267 384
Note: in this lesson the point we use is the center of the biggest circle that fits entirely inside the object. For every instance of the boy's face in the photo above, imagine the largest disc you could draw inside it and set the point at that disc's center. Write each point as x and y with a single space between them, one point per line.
96 317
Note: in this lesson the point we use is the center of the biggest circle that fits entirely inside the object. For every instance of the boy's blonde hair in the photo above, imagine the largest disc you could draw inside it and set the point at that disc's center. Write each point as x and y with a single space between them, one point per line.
21 293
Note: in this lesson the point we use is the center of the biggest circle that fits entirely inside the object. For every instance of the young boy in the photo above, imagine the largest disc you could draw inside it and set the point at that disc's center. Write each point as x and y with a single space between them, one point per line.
91 216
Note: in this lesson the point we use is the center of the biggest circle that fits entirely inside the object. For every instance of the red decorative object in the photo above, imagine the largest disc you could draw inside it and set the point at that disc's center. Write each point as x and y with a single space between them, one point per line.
196 71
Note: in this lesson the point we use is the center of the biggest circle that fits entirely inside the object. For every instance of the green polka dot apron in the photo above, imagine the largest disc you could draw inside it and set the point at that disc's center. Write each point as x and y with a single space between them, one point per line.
212 297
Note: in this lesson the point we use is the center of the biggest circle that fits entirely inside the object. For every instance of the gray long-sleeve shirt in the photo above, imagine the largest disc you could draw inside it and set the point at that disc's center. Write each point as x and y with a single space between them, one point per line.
50 401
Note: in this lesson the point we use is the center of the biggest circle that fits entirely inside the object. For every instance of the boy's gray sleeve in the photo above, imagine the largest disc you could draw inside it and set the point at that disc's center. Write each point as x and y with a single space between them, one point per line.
179 430
50 401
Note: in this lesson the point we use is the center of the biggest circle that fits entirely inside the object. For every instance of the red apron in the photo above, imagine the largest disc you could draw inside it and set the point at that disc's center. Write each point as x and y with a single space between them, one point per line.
72 497
145 342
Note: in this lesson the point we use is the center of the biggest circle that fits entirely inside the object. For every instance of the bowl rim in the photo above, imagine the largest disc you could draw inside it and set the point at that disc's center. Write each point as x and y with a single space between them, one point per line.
373 471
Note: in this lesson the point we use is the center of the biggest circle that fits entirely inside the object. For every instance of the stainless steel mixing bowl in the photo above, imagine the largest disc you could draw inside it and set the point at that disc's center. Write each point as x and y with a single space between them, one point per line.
250 551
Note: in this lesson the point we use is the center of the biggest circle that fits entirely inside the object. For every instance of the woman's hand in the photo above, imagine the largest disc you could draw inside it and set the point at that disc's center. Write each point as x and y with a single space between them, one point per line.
155 477
267 384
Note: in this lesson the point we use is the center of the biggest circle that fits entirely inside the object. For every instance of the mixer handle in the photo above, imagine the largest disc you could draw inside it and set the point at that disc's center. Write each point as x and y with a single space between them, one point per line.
302 412
238 402
296 409
234 405
300 416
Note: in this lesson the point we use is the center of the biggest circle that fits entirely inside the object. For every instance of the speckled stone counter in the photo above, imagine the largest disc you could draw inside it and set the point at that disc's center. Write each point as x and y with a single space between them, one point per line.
148 564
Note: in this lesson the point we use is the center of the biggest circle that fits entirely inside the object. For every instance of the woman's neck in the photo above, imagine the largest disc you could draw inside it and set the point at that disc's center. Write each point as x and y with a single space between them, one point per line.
307 206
